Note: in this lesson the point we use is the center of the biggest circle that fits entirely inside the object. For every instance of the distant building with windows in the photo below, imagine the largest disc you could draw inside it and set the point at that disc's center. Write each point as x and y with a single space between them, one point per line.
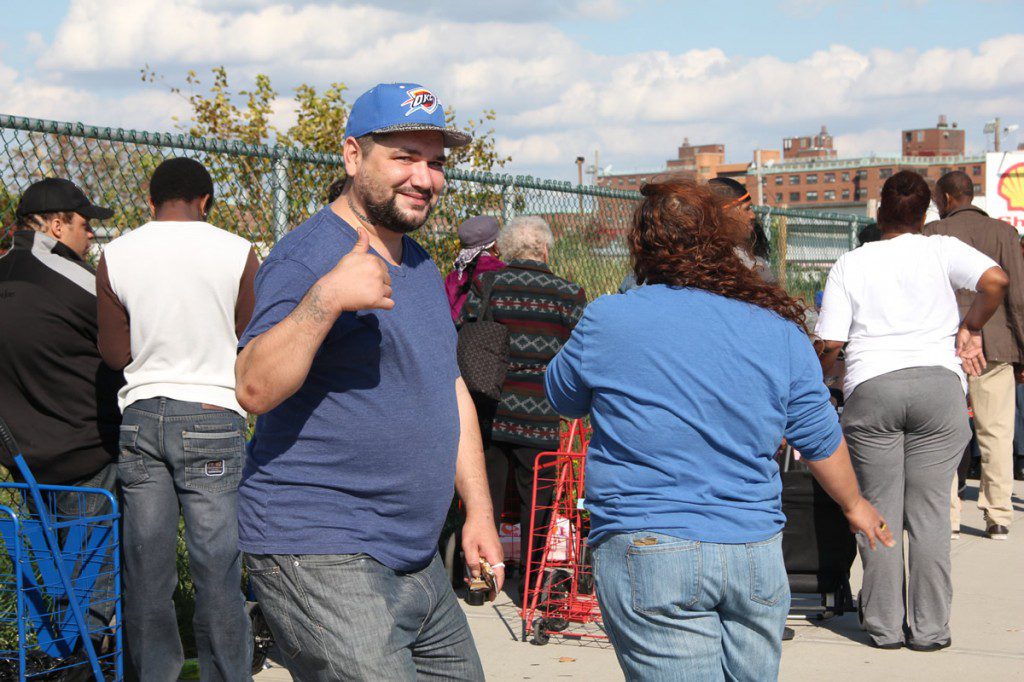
850 183
808 173
942 140
703 162
809 146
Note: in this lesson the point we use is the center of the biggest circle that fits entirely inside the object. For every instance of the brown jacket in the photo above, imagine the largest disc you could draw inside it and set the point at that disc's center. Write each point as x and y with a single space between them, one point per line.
1003 335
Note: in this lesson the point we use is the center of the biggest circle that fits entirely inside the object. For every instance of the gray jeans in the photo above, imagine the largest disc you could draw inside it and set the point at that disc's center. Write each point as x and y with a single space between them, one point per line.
907 431
177 453
347 617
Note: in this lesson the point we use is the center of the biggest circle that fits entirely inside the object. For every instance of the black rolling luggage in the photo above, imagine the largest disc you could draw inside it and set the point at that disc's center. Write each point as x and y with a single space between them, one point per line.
817 547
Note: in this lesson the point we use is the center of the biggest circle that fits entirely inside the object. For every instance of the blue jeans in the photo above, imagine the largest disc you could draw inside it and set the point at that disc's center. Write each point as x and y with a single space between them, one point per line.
348 617
682 610
177 453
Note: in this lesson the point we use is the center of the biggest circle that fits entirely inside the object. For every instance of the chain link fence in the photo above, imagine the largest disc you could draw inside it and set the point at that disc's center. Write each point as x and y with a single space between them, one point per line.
805 245
263 191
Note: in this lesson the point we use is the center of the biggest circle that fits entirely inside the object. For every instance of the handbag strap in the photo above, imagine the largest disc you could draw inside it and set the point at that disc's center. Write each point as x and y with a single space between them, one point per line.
488 279
470 275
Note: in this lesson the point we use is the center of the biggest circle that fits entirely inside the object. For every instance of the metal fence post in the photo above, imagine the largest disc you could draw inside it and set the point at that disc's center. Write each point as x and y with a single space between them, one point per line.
783 248
508 211
853 235
279 198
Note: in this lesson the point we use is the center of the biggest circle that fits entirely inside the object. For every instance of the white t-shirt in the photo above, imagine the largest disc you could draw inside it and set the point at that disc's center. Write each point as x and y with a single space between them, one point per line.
179 283
894 301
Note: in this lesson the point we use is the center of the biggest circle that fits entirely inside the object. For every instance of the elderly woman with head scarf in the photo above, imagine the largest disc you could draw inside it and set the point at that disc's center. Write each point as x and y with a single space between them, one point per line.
540 309
478 254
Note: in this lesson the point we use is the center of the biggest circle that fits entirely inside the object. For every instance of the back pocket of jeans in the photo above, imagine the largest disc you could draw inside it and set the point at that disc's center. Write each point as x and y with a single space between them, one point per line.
213 459
131 469
664 573
768 581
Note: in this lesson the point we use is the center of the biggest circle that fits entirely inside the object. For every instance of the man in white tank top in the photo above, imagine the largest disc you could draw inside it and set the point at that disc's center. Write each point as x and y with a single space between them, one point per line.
173 296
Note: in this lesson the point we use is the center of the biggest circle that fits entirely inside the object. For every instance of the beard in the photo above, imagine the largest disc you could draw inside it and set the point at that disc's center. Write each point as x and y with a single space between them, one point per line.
385 213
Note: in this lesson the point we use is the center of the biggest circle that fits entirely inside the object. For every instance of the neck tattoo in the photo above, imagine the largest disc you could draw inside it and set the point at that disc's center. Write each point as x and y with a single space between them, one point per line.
363 219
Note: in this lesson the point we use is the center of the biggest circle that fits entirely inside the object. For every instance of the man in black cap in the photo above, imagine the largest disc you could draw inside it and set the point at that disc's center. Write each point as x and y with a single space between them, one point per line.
56 395
58 208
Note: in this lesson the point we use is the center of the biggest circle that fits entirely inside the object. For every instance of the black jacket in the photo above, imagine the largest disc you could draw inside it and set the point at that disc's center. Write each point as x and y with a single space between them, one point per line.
56 395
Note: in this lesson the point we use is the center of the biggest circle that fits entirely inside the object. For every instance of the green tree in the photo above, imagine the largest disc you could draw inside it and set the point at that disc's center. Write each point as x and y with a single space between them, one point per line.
8 204
320 119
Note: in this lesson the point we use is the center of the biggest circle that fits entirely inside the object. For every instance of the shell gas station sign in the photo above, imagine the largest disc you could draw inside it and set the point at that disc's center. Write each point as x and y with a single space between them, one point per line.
1004 187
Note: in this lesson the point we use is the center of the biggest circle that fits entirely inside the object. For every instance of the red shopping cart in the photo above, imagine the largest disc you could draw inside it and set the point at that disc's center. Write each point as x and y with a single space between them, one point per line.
559 595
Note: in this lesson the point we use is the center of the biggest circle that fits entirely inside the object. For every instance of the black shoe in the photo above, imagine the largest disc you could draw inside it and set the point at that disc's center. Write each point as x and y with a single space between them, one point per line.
889 646
996 532
788 634
934 646
75 668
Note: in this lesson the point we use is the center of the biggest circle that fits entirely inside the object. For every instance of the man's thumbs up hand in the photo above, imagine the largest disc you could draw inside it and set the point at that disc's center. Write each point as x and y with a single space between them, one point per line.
360 280
362 242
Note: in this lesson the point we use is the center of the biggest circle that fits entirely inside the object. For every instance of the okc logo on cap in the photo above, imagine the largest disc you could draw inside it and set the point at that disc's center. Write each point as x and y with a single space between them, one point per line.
420 99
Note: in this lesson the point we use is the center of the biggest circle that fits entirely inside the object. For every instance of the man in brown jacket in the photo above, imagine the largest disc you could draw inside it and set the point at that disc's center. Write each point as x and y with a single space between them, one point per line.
993 393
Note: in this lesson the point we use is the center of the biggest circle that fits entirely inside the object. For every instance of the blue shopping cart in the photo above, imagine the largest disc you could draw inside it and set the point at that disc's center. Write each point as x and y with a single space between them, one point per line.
60 569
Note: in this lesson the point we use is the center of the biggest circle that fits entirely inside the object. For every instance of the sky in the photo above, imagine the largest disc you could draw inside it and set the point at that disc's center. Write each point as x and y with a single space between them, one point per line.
630 78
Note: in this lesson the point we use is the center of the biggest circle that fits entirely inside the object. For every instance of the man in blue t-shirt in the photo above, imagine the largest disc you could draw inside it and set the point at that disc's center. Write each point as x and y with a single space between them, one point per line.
365 425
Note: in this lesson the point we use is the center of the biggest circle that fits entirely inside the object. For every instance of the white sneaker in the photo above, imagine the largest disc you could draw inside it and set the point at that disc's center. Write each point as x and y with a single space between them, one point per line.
954 535
997 532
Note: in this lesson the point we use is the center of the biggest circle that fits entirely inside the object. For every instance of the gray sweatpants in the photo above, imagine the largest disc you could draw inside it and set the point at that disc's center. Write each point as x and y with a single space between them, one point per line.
906 431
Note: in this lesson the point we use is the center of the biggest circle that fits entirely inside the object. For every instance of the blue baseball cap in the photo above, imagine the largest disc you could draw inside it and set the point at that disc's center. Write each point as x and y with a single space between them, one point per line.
396 107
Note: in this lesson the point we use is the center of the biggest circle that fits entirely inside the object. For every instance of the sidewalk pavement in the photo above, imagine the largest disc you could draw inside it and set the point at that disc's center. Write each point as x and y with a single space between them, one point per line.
987 625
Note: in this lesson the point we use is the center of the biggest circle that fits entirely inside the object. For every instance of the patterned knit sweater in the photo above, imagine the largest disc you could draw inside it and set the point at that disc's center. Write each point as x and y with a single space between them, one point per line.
540 309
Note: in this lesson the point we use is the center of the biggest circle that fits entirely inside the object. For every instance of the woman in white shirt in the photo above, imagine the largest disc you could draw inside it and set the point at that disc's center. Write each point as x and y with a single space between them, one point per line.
893 304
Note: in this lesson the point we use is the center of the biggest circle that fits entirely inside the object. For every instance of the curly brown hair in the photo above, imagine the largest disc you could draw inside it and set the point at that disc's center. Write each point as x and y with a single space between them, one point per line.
683 235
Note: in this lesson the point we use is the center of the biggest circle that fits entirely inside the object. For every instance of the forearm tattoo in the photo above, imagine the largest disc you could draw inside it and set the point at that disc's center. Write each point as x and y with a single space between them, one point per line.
312 308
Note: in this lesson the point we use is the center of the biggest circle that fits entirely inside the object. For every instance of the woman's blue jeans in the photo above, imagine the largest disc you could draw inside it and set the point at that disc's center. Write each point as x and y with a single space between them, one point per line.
678 609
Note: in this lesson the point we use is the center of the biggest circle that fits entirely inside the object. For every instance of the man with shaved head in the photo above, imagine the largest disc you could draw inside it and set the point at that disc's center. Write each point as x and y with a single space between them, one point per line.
992 393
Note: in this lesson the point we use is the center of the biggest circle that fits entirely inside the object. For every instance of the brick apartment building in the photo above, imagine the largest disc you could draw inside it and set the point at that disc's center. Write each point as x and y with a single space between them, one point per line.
703 162
809 147
808 173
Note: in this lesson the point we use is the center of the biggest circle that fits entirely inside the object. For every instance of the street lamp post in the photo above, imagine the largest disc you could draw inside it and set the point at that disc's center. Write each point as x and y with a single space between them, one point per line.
579 176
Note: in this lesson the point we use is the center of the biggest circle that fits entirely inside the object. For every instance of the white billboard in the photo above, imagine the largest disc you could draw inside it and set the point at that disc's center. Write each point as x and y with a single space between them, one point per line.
1004 187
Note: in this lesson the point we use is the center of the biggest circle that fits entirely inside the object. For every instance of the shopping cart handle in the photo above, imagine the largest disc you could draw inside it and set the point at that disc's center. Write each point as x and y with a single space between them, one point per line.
7 441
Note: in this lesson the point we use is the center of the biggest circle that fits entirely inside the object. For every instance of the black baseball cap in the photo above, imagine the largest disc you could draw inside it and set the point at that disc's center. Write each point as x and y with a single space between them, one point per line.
54 195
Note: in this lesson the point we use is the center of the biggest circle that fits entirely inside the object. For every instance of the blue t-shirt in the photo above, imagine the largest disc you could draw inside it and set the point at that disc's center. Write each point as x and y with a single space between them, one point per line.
690 394
361 459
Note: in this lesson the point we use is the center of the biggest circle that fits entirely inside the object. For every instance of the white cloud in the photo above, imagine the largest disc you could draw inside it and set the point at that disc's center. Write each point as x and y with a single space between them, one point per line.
554 98
876 141
145 108
513 10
